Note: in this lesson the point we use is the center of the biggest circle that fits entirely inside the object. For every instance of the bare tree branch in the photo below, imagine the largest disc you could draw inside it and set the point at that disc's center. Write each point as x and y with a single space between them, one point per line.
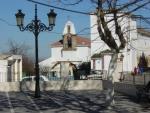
106 35
125 13
22 49
119 32
129 4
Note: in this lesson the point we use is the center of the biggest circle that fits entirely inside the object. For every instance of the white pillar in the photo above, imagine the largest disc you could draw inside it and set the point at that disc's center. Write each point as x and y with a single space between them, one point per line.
20 68
16 70
13 72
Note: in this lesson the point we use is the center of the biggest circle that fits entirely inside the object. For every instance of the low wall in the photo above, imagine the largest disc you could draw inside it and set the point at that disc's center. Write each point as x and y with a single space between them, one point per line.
128 89
125 88
9 86
53 85
142 79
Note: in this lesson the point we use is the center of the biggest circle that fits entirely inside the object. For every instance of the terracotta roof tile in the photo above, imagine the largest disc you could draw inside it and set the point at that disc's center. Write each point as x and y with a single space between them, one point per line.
80 41
57 44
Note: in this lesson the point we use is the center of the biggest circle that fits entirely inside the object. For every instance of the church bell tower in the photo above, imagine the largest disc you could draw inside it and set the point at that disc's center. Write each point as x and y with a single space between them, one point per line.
69 40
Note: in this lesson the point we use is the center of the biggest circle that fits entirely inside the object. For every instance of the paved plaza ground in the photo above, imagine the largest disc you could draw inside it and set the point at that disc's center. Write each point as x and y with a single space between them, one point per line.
68 102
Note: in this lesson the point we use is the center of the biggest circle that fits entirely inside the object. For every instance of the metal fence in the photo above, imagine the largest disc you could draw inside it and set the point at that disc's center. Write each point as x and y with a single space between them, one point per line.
55 78
142 79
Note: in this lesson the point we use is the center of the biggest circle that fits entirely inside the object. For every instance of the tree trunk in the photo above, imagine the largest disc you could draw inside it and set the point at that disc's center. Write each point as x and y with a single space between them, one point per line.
110 89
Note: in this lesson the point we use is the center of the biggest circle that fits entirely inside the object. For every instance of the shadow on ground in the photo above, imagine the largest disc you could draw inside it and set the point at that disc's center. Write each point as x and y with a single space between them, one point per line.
70 102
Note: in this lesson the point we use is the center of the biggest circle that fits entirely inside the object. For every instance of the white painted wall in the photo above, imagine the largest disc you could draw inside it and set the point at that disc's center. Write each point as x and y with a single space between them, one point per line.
56 52
3 70
69 55
81 53
144 45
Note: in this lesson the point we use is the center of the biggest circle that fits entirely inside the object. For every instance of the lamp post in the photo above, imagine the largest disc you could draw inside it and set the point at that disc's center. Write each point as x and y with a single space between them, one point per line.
36 27
121 59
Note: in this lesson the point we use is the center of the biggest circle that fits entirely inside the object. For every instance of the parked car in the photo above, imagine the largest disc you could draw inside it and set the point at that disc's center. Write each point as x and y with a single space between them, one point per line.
33 78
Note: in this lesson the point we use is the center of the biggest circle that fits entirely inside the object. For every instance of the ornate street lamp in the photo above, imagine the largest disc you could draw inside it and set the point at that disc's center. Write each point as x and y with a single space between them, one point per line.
36 27
121 57
122 75
20 18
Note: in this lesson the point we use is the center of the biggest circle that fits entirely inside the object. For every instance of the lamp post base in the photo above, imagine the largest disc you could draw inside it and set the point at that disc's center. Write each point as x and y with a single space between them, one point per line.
37 94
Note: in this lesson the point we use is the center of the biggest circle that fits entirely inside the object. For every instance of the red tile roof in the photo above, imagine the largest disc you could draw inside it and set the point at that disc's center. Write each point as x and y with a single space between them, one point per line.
80 41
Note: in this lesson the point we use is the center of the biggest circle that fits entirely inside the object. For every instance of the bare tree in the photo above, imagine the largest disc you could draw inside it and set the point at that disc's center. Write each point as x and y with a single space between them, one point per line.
17 48
22 49
106 34
117 9
45 70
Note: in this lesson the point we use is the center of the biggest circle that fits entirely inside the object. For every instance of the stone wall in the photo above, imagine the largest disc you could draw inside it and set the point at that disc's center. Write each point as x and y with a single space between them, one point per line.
53 85
126 88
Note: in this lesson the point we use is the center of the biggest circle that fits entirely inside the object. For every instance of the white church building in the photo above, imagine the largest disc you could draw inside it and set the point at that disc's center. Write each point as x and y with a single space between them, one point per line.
138 42
71 50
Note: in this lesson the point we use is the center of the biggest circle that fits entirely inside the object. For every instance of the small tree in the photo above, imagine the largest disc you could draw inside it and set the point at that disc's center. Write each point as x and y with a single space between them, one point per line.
143 62
45 70
86 67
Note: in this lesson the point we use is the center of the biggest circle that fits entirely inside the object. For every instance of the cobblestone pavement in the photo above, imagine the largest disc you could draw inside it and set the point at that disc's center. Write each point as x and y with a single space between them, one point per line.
69 102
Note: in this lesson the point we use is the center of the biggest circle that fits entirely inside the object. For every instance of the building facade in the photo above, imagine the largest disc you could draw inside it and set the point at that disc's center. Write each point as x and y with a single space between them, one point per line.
69 51
137 43
10 68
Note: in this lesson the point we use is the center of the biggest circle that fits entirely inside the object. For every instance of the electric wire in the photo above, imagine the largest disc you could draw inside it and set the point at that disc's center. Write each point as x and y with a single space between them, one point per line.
79 33
60 8
3 20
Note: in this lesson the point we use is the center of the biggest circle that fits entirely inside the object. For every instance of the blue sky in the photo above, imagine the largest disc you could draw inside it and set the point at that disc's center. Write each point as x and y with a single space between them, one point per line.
8 30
